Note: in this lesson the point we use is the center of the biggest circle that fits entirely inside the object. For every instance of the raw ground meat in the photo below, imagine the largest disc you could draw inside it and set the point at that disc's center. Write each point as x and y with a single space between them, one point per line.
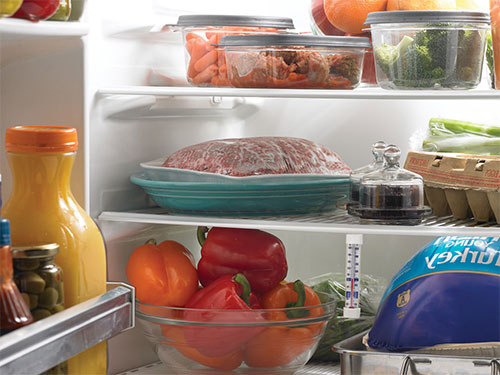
258 156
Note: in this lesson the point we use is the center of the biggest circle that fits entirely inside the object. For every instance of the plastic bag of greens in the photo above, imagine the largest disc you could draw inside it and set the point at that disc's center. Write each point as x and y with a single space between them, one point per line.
447 135
340 328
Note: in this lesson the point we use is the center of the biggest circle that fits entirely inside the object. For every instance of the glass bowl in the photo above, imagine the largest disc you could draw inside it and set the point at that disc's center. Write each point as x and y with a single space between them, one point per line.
436 49
223 342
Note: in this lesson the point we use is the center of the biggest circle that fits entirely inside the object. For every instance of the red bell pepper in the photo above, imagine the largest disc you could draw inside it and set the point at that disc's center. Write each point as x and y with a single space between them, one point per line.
258 255
229 298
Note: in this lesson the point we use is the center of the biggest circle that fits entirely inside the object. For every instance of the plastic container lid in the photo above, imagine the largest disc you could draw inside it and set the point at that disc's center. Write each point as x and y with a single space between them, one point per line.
294 40
35 252
4 232
228 20
41 139
426 16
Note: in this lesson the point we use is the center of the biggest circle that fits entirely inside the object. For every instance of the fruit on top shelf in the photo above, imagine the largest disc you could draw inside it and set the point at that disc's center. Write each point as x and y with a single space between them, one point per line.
9 7
349 16
162 274
420 4
36 10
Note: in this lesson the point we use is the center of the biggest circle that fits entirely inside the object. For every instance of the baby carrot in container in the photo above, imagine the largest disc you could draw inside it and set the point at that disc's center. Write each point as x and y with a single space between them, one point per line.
201 33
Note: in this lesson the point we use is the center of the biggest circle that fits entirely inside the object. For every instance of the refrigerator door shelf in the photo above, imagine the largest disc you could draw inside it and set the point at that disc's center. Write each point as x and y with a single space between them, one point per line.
18 30
43 344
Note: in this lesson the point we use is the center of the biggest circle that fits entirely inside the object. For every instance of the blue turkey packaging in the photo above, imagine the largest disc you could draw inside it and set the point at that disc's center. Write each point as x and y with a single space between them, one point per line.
447 293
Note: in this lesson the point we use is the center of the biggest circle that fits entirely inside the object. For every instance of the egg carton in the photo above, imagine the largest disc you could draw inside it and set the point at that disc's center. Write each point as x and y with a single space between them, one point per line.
465 186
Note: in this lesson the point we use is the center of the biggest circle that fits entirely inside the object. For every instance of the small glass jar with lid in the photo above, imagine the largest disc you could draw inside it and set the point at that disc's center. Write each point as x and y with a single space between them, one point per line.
391 195
39 279
378 149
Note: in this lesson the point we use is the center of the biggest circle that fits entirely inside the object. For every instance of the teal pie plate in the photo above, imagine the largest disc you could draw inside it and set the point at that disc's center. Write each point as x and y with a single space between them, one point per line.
255 199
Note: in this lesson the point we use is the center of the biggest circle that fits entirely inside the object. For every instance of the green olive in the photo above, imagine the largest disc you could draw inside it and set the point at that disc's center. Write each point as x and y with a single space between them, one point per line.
31 282
56 309
33 301
26 264
51 277
48 298
40 314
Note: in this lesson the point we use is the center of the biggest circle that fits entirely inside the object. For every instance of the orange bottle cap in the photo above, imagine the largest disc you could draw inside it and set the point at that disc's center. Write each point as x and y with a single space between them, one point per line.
41 139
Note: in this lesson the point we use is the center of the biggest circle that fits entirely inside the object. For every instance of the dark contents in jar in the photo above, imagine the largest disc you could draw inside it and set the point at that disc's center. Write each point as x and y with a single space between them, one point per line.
390 197
294 68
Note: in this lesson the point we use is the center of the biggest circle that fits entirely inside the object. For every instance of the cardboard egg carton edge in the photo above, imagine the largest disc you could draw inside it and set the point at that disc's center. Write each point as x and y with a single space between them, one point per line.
461 185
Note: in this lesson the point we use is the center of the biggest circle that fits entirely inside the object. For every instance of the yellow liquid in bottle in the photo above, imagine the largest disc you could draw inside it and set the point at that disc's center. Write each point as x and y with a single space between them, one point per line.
43 210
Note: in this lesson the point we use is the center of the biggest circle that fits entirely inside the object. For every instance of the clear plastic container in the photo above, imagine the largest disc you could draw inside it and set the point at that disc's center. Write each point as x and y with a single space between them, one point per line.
436 49
495 32
294 61
205 65
391 195
378 149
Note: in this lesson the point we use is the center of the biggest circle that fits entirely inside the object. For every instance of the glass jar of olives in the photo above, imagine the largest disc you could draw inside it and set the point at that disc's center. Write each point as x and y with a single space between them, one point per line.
39 279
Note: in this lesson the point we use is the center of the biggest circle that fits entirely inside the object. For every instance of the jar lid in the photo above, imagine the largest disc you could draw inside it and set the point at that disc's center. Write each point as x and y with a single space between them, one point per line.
391 174
378 149
426 16
229 20
280 40
35 252
41 139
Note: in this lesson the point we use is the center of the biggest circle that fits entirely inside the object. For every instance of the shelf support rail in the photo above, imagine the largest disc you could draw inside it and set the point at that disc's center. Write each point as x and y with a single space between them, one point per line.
39 346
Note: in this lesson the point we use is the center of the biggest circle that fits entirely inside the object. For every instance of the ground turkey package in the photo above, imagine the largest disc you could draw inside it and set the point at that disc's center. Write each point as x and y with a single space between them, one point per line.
258 156
448 293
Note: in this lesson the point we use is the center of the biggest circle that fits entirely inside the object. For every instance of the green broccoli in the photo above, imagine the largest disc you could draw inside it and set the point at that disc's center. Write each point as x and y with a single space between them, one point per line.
387 56
436 56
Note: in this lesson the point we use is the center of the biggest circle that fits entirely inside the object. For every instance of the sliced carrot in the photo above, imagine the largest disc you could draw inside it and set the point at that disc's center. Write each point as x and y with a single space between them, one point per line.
207 60
206 76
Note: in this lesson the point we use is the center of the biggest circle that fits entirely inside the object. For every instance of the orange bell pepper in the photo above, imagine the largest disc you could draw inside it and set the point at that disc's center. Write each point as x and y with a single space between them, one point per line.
280 345
227 362
163 274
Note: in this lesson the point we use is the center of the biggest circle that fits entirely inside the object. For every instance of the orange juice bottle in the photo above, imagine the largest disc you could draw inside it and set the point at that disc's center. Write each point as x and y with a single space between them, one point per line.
42 210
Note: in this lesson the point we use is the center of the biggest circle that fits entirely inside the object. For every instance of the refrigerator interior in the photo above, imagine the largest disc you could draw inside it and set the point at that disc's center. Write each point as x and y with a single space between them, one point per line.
96 77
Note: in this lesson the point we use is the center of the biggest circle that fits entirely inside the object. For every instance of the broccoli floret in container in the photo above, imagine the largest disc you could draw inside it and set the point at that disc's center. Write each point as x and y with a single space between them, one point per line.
437 56
388 57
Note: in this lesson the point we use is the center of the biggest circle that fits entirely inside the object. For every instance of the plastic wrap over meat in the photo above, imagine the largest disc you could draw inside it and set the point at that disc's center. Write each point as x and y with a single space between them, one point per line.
258 156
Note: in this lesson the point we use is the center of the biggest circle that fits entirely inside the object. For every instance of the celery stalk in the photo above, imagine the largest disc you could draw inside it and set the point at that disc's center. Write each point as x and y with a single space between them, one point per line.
439 126
463 143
